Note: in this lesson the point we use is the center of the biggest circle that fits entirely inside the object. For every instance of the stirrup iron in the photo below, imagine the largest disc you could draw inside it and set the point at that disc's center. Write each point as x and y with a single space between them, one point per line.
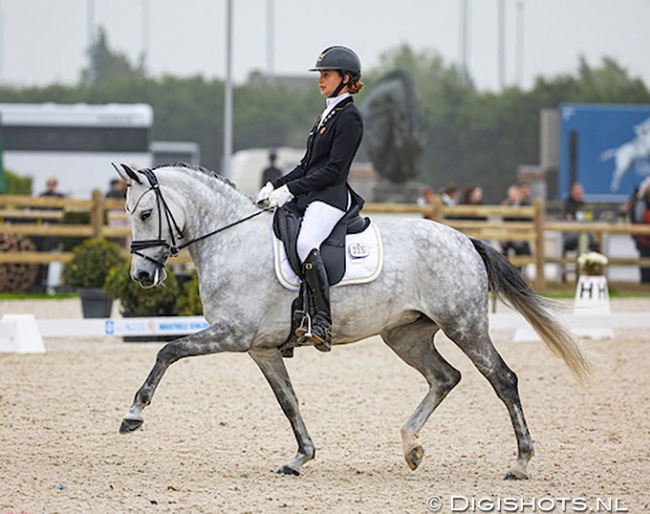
304 330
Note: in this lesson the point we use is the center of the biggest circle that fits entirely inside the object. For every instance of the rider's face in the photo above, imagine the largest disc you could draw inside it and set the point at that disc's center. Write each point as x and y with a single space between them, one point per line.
328 81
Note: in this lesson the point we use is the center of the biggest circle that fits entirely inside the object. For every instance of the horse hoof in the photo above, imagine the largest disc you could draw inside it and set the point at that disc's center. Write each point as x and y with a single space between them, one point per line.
414 457
129 425
286 470
516 475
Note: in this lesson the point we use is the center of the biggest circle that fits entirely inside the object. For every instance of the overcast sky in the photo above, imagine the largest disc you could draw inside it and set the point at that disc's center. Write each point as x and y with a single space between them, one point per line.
44 41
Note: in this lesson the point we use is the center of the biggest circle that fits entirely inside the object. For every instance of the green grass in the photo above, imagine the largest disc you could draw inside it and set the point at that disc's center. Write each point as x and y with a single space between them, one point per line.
612 294
36 296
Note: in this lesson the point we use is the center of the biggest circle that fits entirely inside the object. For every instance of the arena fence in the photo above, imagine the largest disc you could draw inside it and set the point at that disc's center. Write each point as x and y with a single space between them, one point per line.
23 333
24 217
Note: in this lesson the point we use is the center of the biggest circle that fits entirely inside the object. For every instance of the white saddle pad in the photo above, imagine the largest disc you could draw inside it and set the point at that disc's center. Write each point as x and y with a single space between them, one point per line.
364 258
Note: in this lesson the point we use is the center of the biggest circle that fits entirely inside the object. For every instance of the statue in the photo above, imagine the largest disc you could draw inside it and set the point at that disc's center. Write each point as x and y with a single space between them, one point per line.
392 127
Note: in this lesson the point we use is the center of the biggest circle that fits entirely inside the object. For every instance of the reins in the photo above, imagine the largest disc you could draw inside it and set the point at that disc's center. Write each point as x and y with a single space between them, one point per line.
173 248
220 229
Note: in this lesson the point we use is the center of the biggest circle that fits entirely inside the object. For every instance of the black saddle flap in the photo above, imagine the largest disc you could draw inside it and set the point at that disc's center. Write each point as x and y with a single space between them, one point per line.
286 226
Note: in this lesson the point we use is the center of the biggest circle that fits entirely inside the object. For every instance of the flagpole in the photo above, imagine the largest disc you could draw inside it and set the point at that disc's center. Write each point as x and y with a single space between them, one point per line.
227 116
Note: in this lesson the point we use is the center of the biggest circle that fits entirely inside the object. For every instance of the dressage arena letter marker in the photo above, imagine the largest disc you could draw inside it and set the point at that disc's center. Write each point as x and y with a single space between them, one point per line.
19 333
592 299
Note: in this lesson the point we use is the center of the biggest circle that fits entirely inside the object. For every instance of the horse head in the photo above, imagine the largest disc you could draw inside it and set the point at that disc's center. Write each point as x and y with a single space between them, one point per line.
157 224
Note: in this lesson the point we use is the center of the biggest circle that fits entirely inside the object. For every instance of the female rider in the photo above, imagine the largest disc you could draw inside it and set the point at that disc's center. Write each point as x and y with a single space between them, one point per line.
318 184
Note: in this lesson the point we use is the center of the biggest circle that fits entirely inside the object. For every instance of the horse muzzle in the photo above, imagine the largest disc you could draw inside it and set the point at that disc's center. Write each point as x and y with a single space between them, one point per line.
149 277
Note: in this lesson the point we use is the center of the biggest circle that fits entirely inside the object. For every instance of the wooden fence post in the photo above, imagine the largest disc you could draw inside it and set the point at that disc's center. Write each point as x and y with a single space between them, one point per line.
540 257
437 209
97 213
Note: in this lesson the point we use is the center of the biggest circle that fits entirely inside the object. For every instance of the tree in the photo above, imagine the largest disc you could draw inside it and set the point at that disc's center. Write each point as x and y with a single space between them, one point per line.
482 137
470 136
106 64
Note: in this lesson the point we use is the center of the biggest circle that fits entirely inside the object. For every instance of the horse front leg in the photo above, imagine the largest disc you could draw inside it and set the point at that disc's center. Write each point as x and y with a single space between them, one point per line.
213 339
272 366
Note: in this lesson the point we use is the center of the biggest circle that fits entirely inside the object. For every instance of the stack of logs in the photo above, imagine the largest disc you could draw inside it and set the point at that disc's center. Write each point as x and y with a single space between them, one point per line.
16 277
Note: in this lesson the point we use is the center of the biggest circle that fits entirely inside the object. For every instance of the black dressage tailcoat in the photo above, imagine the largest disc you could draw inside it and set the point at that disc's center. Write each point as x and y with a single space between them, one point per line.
323 172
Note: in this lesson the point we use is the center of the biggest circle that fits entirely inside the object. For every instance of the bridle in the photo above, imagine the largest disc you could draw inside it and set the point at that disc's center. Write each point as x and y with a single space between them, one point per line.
173 248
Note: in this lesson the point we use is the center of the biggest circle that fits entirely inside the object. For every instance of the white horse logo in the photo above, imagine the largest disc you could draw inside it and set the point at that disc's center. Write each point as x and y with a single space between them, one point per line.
629 153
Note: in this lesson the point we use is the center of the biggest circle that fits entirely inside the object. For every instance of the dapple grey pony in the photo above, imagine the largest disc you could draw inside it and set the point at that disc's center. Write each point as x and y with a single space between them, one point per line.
433 278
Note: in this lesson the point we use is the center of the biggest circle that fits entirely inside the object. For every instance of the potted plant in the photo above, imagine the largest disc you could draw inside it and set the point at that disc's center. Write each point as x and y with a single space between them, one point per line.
87 271
189 302
137 301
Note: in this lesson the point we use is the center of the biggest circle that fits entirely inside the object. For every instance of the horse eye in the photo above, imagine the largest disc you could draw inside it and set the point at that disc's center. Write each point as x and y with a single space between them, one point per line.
145 215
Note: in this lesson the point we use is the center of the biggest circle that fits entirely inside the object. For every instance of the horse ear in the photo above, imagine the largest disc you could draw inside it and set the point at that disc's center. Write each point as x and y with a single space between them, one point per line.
127 174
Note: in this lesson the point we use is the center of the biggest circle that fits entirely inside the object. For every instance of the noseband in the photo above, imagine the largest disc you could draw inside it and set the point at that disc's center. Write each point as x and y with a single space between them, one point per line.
173 248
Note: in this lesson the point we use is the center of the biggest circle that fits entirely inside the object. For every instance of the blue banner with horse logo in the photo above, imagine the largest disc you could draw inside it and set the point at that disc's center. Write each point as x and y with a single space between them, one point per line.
604 147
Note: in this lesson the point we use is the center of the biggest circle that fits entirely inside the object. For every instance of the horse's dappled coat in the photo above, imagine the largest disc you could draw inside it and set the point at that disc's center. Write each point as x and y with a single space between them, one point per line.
433 278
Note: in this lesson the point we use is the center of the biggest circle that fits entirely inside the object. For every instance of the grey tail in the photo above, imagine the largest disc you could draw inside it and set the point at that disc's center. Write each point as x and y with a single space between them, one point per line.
506 282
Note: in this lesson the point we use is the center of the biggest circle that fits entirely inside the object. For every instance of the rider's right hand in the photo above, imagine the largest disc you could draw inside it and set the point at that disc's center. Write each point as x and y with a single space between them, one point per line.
263 195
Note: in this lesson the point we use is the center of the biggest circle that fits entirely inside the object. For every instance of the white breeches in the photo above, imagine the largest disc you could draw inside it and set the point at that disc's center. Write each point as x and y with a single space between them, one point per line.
317 223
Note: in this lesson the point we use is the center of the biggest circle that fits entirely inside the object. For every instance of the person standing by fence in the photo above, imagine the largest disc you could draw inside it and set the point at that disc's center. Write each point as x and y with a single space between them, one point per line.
116 189
576 210
49 275
52 189
271 172
640 213
515 199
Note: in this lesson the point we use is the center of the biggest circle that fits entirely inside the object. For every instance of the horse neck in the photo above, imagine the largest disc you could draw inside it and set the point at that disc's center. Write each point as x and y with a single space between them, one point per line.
212 207
210 204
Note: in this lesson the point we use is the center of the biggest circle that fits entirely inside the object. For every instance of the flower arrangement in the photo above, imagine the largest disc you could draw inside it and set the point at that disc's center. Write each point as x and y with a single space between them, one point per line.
591 263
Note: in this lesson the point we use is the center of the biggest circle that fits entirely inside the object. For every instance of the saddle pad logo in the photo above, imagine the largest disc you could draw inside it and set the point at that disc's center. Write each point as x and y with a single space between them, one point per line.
358 250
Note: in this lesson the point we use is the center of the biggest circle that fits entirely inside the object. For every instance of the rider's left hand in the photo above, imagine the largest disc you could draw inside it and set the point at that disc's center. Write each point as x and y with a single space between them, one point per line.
280 196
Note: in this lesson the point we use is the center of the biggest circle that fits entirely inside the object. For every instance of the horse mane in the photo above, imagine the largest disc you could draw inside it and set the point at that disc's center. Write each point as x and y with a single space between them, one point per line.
209 173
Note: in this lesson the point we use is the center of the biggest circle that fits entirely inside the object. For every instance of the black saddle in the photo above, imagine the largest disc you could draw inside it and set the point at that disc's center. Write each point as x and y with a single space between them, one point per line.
286 226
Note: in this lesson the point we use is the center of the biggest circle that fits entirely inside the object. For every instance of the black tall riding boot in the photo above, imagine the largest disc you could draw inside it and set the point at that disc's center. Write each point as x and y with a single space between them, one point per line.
319 288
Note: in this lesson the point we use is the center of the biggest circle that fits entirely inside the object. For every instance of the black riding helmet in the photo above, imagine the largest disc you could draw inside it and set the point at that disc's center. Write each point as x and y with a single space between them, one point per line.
341 59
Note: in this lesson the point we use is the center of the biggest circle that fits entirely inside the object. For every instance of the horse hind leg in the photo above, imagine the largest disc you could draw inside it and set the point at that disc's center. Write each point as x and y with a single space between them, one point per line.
414 345
479 348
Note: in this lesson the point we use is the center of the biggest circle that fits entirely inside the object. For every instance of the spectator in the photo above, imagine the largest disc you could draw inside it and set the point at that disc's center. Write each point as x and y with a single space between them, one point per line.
640 213
272 172
51 191
515 199
473 195
427 198
576 210
524 189
450 195
48 276
428 194
116 189
52 188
